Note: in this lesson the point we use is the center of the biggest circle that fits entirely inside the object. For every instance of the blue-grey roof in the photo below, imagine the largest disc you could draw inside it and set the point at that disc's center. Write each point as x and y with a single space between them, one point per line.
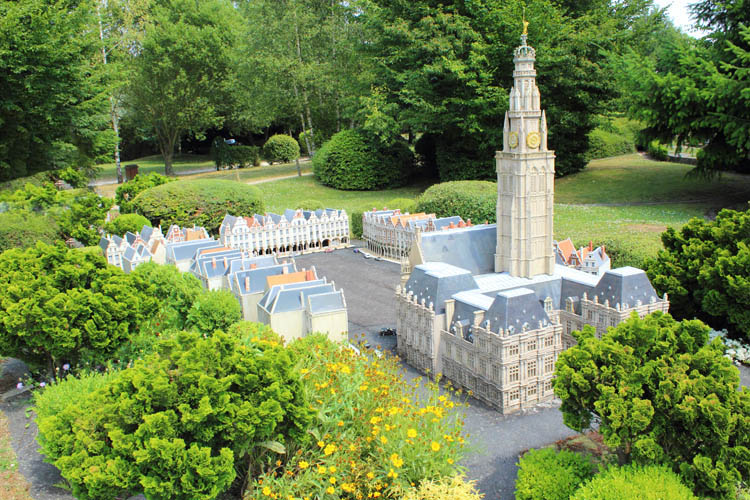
146 232
516 308
446 222
258 277
137 252
185 250
246 263
104 244
471 248
326 302
436 282
204 265
130 237
283 298
625 286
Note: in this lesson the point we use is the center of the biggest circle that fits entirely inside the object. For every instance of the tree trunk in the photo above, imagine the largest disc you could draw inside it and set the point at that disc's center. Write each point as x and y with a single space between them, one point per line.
305 100
112 103
299 169
168 156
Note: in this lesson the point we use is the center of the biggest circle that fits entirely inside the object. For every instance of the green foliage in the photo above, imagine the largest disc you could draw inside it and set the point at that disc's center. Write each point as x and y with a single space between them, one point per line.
355 224
202 202
705 269
226 156
53 101
319 137
180 423
603 144
37 197
625 483
21 229
59 394
351 160
621 253
475 200
84 217
127 222
661 394
404 204
127 192
213 310
281 148
546 474
657 151
453 487
59 305
310 205
177 292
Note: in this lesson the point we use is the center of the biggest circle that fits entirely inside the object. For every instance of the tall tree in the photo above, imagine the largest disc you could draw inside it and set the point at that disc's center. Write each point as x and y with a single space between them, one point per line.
182 69
53 100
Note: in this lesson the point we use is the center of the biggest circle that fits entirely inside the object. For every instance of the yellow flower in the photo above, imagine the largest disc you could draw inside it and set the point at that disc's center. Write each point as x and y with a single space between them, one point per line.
396 460
341 423
330 490
321 444
322 469
329 449
363 387
435 446
332 480
347 487
370 475
345 369
412 433
375 420
392 474
303 464
267 491
352 447
383 439
450 461
332 469
304 371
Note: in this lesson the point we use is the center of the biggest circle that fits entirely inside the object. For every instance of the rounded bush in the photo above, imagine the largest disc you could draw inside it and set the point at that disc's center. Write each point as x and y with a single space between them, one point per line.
546 474
351 161
282 148
214 310
475 200
310 205
21 229
182 422
625 483
127 222
202 202
127 192
403 204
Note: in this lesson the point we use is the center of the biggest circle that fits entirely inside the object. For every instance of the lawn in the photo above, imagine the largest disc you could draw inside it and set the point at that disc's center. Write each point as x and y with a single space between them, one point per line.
155 163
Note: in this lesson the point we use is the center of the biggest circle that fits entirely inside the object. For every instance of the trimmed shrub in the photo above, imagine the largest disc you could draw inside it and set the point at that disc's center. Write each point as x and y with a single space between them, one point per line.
546 474
403 204
454 487
202 202
84 216
180 423
350 160
281 148
475 200
629 482
127 192
355 224
214 310
310 205
127 222
657 151
227 156
603 144
21 229
176 291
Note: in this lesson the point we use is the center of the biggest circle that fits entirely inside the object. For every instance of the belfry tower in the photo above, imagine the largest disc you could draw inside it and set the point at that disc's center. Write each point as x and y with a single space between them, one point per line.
525 178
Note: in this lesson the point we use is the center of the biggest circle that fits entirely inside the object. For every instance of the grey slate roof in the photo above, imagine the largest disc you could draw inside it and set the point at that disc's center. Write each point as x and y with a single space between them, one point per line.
185 250
247 262
436 282
471 248
146 232
625 286
203 266
446 222
137 252
516 308
293 298
326 302
271 294
258 277
104 243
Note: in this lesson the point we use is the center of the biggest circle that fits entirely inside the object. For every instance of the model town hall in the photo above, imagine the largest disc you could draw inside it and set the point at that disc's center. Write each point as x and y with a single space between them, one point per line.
492 306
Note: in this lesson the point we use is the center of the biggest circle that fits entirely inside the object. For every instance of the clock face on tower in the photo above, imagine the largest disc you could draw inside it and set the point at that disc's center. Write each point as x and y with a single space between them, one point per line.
513 139
533 140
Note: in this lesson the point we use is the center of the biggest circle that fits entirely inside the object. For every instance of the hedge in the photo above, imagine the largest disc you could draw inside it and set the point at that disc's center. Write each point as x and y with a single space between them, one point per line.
629 482
657 151
353 161
403 204
202 202
310 205
127 222
226 156
603 144
281 148
21 229
546 474
475 200
127 192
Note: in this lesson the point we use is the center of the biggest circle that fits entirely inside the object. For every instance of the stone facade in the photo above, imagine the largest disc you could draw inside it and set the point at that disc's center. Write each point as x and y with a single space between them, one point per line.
294 231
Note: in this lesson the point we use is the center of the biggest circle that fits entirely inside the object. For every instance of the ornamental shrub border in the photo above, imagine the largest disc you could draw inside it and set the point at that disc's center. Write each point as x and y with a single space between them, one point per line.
281 148
475 200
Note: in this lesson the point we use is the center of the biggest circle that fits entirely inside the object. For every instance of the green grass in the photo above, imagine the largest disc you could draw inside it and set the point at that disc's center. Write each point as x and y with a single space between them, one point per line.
634 179
155 163
283 194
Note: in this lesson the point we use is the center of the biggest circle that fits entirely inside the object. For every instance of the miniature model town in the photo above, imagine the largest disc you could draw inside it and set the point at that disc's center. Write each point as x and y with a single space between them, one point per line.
491 307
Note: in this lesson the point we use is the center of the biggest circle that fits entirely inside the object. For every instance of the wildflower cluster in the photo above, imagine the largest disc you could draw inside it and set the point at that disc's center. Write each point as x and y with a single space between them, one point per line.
374 436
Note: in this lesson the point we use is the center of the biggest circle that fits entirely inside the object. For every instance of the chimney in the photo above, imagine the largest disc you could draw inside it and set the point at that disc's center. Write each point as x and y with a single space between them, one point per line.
604 252
452 225
284 270
486 222
461 224
247 283
591 246
309 275
468 222
253 266
225 262
213 262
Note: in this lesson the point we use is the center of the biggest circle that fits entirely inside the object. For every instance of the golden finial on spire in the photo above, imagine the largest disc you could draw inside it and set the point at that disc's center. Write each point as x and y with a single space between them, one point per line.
525 23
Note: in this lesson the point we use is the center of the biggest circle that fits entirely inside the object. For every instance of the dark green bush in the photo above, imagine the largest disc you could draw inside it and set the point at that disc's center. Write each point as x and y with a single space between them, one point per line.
355 224
475 200
127 222
127 192
657 151
226 156
21 229
310 205
350 160
176 291
546 474
213 310
603 144
630 482
83 217
202 202
281 148
183 423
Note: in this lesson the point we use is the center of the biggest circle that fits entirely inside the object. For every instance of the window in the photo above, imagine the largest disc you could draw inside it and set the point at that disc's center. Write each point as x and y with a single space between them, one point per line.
495 373
548 386
531 391
482 367
513 350
531 346
531 368
549 341
549 364
513 374
513 395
